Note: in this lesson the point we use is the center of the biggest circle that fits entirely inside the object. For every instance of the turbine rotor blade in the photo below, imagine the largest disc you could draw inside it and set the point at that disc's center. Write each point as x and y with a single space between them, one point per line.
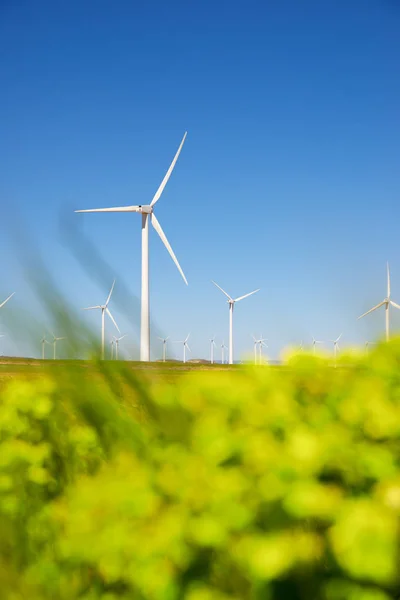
394 304
6 300
112 319
92 307
223 291
113 209
109 295
166 243
187 346
246 295
168 173
372 309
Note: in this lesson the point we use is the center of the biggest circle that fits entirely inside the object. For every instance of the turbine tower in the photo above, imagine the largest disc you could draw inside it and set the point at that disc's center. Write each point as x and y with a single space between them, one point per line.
185 345
212 346
147 212
231 302
386 303
43 341
164 349
104 309
112 348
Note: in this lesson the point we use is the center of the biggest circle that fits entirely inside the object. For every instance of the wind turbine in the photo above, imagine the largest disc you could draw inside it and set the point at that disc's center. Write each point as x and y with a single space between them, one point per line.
185 345
6 300
231 302
104 309
212 346
55 340
223 346
367 344
43 341
112 348
336 346
386 303
315 342
164 349
262 344
117 341
147 212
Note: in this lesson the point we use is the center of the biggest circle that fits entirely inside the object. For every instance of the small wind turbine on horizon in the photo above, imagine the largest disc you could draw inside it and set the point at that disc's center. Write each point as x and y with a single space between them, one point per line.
104 309
112 348
147 212
117 341
367 344
336 346
55 340
315 342
212 346
185 345
6 300
223 346
386 303
43 341
260 342
231 302
164 343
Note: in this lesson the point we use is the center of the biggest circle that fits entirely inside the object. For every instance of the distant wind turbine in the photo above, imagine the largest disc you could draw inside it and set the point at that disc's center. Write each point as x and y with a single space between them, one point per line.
185 345
55 340
315 342
212 346
104 309
147 212
164 349
336 346
231 302
6 300
43 341
117 341
386 303
112 348
223 346
258 345
367 344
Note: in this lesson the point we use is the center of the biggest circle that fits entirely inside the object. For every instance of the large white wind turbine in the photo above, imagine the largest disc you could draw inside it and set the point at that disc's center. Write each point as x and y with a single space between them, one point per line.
147 211
104 309
164 348
386 303
185 345
231 302
6 300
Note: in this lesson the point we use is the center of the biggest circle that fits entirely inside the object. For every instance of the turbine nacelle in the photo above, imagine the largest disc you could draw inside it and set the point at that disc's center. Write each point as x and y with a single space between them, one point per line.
145 209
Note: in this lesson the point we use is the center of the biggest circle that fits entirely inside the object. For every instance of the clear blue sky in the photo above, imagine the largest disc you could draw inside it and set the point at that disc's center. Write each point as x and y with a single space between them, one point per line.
288 181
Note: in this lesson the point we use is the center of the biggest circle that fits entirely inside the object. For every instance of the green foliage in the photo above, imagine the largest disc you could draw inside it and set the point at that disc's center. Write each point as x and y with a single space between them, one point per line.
260 483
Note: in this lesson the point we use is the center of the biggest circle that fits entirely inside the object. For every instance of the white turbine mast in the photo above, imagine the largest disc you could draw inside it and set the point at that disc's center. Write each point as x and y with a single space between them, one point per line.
147 212
231 302
185 345
212 346
259 343
386 303
104 309
117 341
164 343
112 342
